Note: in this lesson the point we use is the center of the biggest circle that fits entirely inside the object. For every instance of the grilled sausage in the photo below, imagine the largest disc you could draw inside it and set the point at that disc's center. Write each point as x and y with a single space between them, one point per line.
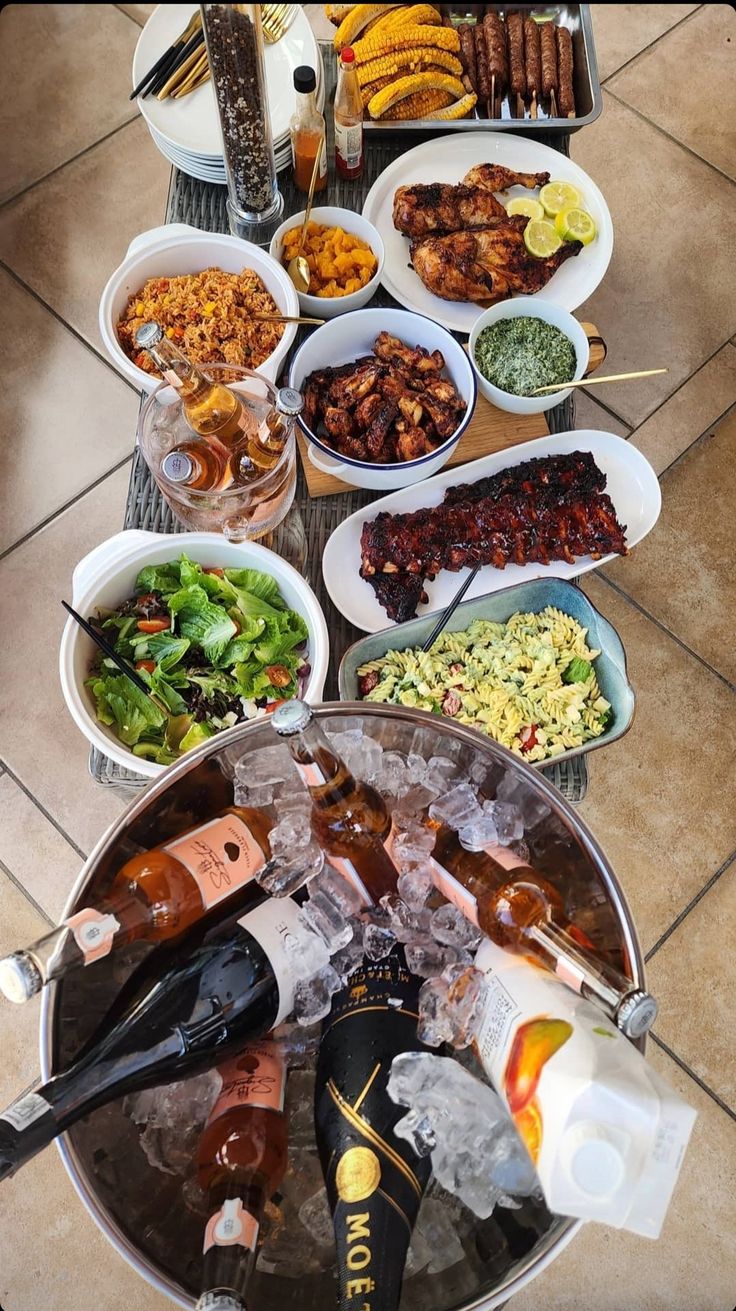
532 57
496 43
548 42
467 49
515 36
566 98
481 64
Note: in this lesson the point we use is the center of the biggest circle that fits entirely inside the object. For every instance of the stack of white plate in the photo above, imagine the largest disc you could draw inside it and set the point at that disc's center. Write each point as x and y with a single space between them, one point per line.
187 131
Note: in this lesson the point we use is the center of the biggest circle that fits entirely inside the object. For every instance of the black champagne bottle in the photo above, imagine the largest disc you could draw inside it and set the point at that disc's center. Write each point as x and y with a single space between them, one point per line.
191 1005
374 1180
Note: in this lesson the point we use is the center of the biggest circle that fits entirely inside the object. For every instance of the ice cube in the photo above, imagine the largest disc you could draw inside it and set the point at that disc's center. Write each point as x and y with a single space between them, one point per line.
267 765
434 1025
406 924
290 834
411 805
448 1006
508 821
350 957
392 776
436 1228
378 942
417 1130
480 833
441 773
280 877
320 914
365 759
257 797
415 886
316 1216
412 846
449 926
533 808
456 808
418 1255
313 995
428 958
174 1116
342 893
299 1046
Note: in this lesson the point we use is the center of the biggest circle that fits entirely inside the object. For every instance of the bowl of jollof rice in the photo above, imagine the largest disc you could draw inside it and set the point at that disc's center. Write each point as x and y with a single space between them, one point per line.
204 289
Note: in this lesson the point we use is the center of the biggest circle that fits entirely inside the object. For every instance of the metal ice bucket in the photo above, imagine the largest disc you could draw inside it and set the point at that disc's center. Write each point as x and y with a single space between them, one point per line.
156 1233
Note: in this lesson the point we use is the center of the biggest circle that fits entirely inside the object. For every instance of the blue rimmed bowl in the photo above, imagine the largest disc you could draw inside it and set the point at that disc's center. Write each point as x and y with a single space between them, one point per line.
536 595
348 337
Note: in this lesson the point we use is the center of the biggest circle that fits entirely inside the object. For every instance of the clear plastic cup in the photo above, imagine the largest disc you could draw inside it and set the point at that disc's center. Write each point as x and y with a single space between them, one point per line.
239 512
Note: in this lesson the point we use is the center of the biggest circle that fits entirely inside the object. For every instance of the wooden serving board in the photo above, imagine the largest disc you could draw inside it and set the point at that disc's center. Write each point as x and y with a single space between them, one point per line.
489 430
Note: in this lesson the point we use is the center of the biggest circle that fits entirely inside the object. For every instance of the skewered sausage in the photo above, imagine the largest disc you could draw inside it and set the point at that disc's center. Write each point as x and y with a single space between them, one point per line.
566 97
548 42
481 64
496 43
532 57
515 35
467 49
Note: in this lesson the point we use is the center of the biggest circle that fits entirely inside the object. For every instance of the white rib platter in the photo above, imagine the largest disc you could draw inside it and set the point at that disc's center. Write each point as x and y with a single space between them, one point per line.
631 483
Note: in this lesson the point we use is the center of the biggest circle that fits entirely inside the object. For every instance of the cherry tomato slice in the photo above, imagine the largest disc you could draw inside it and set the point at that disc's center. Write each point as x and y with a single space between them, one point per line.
278 675
272 706
153 625
148 665
219 573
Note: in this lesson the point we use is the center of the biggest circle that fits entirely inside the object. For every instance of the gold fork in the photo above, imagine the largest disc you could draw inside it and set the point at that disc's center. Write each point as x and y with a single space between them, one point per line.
277 19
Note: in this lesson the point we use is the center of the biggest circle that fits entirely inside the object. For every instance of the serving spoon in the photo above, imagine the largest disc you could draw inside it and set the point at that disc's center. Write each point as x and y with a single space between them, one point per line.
297 268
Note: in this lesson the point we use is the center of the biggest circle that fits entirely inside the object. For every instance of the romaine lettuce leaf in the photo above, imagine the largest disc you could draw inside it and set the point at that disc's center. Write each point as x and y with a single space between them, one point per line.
257 584
121 703
164 578
197 734
167 650
204 623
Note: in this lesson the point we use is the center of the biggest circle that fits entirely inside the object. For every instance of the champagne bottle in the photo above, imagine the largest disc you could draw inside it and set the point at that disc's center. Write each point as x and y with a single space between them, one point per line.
156 895
374 1180
225 983
519 910
240 1163
350 819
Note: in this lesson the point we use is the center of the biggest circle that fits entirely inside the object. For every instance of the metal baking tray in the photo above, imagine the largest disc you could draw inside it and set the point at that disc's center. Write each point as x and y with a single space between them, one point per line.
588 99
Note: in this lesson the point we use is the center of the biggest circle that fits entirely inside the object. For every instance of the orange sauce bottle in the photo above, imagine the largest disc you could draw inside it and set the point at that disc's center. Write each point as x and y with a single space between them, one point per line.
307 132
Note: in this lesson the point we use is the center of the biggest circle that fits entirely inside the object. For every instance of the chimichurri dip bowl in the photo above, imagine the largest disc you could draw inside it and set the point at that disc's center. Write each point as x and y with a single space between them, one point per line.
517 356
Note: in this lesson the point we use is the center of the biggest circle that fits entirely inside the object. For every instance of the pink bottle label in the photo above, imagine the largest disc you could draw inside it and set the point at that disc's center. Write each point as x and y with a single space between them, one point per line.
257 1077
462 899
230 1225
221 855
94 932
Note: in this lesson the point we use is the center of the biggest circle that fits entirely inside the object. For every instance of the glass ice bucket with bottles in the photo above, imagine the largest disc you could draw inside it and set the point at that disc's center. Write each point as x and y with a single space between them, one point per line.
205 490
147 1202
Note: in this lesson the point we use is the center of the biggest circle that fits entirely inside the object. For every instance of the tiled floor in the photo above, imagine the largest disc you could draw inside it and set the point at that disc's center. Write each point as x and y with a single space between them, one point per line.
80 178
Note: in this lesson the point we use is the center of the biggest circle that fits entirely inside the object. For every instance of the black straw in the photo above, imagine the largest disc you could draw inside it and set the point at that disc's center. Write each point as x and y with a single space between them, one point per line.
109 650
450 609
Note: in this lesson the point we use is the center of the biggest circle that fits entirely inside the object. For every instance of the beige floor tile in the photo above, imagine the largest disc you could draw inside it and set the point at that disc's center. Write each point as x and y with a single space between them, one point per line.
650 801
621 31
695 970
685 83
683 573
65 248
141 13
690 412
589 414
53 1257
68 418
692 1266
73 80
20 924
660 304
40 743
35 852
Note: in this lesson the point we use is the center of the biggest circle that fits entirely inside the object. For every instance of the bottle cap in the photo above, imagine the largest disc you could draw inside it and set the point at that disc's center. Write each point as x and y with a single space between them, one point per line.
305 78
289 400
347 55
148 334
636 1014
291 717
20 977
177 466
218 1300
594 1156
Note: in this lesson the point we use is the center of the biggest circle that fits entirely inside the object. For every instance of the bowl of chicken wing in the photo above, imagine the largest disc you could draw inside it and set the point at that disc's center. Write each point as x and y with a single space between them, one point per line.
388 395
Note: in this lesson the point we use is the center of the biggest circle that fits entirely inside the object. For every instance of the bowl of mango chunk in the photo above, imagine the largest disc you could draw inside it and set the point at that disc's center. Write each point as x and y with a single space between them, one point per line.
345 254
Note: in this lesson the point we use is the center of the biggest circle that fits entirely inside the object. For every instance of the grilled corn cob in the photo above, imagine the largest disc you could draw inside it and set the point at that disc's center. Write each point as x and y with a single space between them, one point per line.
460 109
407 86
410 15
354 22
399 62
368 91
418 105
336 13
406 38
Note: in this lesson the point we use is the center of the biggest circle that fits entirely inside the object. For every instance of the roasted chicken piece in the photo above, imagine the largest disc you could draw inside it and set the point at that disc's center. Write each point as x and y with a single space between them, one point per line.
416 359
376 434
413 442
348 390
494 177
339 423
488 264
441 207
365 410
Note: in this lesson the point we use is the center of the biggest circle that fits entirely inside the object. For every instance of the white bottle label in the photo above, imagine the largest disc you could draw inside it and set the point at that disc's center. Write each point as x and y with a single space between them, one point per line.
26 1110
349 143
232 1224
276 927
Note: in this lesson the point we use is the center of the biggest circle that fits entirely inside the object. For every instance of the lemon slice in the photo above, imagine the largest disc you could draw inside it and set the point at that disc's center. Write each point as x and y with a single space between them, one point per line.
540 238
575 225
558 195
525 205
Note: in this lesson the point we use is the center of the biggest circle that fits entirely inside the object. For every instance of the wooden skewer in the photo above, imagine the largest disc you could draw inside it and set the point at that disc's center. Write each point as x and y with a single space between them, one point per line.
179 73
594 382
553 103
534 105
492 102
